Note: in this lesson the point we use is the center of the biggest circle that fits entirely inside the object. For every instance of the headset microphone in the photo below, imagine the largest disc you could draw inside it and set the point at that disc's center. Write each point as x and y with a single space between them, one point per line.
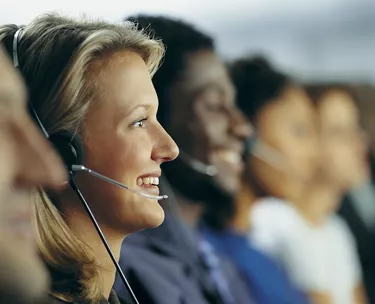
253 146
78 168
261 150
70 148
197 165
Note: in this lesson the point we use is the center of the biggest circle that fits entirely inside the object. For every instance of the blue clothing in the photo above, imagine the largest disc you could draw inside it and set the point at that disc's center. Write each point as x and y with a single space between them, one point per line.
267 282
216 273
164 266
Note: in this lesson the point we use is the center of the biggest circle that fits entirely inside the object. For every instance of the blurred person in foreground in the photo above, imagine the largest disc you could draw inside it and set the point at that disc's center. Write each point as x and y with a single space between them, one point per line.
197 107
281 112
26 162
302 232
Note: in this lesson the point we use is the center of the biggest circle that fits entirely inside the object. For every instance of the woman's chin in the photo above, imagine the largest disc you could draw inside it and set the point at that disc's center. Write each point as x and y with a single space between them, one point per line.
154 217
148 218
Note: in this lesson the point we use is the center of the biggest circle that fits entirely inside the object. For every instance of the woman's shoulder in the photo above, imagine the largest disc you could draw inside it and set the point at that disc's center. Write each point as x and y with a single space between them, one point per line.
341 231
273 215
271 206
274 225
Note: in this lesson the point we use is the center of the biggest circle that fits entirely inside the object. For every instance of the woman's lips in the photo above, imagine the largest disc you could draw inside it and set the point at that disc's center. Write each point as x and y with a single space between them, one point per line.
20 224
151 189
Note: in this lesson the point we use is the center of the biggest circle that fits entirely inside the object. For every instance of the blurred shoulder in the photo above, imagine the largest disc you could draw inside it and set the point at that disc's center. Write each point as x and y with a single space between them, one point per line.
340 228
272 212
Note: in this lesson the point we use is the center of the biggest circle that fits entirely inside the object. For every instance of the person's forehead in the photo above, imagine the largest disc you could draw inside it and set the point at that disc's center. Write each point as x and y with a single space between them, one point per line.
204 65
205 71
338 106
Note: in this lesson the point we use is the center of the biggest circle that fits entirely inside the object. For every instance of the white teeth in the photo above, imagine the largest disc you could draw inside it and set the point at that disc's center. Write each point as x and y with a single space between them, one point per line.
230 156
148 181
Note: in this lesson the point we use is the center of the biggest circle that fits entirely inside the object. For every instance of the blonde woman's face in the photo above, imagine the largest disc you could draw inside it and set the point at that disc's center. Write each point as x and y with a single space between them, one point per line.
26 162
125 142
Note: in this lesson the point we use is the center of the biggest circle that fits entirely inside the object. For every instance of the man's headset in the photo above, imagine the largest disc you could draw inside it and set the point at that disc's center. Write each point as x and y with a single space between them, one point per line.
70 148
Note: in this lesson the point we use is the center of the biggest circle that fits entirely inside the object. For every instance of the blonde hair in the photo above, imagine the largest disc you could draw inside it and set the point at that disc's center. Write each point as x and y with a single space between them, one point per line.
55 54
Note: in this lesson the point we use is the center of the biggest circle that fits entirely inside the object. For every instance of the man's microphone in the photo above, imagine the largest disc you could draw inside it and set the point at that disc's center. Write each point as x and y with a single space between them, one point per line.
80 168
254 146
198 165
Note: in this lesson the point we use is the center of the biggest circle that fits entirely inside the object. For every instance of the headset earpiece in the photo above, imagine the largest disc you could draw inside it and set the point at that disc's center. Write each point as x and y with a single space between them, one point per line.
70 148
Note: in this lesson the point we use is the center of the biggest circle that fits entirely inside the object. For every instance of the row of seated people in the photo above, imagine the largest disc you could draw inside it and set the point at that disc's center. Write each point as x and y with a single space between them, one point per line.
264 164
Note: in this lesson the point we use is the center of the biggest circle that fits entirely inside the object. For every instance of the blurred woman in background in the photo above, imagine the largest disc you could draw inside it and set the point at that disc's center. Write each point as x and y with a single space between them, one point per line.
93 79
282 113
358 206
302 232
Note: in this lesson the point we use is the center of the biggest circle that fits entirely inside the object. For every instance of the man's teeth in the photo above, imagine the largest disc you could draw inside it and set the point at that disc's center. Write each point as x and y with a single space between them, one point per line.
148 181
229 156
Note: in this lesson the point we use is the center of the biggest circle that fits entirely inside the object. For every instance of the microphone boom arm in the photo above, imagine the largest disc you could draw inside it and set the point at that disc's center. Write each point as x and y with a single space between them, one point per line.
80 168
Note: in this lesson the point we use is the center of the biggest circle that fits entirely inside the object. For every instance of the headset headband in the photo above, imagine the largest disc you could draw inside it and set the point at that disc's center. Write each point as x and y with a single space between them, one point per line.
15 48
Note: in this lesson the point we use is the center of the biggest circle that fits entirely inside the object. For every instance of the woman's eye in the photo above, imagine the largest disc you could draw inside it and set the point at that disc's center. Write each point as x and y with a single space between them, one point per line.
140 123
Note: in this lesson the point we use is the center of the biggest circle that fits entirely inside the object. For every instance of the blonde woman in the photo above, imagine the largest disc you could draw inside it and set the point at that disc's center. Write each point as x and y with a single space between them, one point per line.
94 79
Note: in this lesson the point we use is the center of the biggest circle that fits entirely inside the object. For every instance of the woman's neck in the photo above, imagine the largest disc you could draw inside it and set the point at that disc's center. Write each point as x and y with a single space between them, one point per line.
243 202
318 202
80 223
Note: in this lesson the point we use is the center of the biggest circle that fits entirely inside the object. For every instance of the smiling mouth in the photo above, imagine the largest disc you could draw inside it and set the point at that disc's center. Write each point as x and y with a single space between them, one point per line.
148 181
19 217
230 157
149 184
20 225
